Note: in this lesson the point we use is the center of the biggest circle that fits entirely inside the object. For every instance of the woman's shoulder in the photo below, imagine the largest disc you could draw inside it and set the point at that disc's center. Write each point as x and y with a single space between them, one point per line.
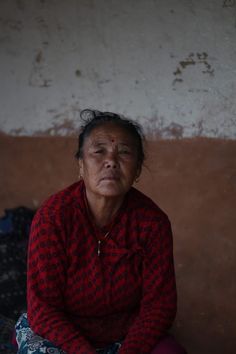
63 200
144 205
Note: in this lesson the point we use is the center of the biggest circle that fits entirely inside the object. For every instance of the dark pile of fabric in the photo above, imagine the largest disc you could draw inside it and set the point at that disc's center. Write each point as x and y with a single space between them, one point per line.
14 234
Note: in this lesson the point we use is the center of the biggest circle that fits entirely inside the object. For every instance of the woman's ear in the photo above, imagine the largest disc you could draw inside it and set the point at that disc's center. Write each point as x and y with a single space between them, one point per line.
138 173
81 168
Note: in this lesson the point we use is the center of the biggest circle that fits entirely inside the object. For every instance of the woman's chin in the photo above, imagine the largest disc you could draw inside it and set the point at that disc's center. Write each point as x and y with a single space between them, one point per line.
111 190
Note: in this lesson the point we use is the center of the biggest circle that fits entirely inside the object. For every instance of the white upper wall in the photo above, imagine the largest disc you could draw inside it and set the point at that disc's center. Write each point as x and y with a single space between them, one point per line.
169 64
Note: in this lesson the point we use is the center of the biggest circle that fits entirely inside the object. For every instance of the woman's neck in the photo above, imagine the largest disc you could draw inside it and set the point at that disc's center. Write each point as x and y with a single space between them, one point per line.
103 209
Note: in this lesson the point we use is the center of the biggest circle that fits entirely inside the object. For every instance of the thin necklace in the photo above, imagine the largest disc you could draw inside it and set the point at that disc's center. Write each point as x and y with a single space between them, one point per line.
100 241
108 232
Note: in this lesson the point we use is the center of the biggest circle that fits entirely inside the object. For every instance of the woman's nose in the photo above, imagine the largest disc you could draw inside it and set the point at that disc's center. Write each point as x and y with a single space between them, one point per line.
111 160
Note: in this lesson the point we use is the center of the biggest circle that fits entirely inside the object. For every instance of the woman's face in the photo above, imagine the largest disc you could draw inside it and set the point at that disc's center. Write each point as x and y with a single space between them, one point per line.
109 164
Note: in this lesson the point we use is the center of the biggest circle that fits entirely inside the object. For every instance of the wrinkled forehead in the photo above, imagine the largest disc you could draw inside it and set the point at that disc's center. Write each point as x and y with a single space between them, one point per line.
111 133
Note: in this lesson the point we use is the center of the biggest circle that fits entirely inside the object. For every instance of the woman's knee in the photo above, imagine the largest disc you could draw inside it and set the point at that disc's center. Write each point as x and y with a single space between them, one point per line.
168 345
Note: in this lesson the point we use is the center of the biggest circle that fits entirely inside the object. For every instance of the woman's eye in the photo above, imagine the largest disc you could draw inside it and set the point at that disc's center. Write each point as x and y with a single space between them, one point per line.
100 151
125 152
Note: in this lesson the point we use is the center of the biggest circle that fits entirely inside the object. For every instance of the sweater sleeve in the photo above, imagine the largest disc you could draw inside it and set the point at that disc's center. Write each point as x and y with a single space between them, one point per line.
158 305
46 283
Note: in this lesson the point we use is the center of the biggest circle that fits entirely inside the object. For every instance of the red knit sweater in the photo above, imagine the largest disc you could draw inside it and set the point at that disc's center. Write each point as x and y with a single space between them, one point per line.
81 301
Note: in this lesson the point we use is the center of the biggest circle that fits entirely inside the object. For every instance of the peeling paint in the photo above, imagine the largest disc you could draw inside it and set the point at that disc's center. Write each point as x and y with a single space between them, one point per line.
105 81
177 80
228 3
10 24
78 73
199 59
150 60
185 63
37 76
20 4
42 24
39 57
173 130
198 90
177 72
65 128
17 132
37 80
156 127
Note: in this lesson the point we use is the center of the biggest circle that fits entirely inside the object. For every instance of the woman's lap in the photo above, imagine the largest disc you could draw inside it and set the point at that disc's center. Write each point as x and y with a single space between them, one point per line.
30 343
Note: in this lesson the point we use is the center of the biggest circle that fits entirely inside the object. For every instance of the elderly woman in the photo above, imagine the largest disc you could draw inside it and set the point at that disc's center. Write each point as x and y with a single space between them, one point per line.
100 268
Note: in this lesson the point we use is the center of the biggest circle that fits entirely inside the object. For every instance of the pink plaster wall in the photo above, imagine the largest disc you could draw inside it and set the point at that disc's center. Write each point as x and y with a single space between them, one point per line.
194 181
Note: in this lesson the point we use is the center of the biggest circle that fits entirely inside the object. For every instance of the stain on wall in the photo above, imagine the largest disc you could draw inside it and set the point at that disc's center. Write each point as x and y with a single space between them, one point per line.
199 59
228 3
37 77
170 66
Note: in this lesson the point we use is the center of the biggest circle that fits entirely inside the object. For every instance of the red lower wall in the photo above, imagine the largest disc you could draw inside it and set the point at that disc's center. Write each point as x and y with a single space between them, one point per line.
194 181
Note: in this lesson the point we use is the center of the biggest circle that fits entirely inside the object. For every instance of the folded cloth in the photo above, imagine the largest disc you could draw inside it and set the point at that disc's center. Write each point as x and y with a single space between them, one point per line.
30 343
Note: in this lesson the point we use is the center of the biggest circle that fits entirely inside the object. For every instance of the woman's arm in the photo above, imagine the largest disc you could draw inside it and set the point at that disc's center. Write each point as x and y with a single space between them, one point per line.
46 283
158 305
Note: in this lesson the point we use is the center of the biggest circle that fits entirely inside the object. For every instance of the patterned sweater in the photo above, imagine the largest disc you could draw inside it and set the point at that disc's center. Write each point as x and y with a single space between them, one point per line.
81 301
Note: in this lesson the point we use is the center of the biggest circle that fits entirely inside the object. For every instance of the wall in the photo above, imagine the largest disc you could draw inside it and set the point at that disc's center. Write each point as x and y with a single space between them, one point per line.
193 180
170 65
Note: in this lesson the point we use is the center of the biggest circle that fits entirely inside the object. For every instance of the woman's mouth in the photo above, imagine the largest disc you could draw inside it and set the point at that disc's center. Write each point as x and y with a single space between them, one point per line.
110 178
